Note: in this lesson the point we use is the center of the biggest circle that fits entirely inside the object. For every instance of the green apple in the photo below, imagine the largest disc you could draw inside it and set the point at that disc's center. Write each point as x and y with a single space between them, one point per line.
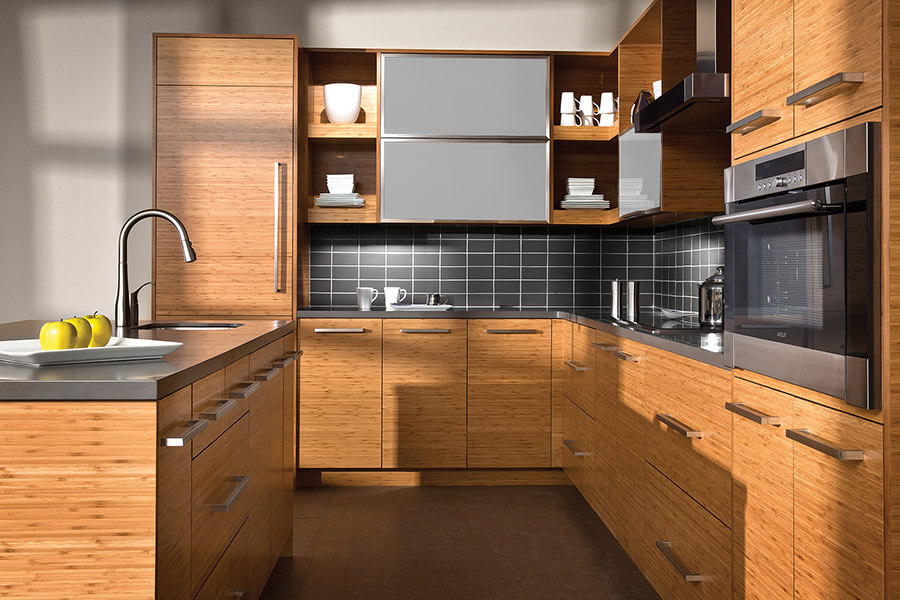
58 335
101 330
84 331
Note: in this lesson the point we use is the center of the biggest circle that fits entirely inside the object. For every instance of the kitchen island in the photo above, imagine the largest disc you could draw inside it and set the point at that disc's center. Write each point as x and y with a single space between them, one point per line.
167 478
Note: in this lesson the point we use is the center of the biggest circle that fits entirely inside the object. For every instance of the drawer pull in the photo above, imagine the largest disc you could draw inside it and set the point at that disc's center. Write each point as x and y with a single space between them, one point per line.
678 426
424 331
511 331
222 408
825 89
345 330
605 347
624 356
193 428
241 594
741 409
242 482
751 123
804 437
576 367
267 374
243 390
570 444
666 549
286 360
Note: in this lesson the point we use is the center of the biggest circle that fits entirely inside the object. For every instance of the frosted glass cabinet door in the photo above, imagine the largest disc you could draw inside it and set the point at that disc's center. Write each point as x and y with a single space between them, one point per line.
640 172
467 96
446 180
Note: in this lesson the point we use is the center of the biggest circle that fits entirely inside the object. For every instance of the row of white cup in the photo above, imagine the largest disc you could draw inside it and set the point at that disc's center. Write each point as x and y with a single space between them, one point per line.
587 110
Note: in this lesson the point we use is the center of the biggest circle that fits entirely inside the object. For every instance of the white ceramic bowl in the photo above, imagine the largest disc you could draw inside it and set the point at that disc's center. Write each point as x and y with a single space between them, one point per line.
342 102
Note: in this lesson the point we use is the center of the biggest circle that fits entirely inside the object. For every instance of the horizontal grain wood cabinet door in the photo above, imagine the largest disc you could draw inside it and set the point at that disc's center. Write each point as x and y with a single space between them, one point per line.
204 60
424 393
340 393
230 575
224 166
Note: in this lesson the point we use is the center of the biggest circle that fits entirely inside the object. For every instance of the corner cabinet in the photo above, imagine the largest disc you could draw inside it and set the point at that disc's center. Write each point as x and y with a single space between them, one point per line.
225 138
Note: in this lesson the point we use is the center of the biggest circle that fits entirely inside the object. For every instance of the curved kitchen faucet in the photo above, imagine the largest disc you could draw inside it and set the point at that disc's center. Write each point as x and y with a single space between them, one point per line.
125 317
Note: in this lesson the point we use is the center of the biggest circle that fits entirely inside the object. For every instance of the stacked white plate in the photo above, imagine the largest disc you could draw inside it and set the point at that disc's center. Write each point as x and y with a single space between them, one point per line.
340 184
340 200
580 186
581 194
631 193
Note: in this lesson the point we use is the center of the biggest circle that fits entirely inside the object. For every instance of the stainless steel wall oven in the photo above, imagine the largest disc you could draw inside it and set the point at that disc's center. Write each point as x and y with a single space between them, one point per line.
801 261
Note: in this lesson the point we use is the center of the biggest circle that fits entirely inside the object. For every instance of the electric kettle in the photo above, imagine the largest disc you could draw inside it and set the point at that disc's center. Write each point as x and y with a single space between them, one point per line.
712 299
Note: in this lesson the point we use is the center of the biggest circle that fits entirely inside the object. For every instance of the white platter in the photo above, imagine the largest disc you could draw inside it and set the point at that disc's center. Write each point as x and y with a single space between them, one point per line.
28 352
433 307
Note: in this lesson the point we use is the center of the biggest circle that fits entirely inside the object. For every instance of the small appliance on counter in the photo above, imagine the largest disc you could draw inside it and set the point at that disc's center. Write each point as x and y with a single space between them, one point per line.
712 300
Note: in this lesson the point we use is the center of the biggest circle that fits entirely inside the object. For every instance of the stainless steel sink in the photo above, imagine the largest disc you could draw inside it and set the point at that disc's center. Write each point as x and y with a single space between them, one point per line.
190 326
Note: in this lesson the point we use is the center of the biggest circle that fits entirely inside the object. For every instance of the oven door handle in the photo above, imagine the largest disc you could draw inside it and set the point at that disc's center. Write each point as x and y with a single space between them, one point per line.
803 207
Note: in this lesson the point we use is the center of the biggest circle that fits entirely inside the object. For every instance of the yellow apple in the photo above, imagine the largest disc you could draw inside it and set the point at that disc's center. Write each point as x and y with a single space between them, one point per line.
84 331
101 330
58 335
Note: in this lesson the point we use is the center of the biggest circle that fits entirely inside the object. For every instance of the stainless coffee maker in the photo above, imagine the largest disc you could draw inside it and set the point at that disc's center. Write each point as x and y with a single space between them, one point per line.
712 300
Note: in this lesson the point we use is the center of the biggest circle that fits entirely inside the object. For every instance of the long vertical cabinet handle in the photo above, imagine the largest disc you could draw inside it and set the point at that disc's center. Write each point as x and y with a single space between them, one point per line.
277 219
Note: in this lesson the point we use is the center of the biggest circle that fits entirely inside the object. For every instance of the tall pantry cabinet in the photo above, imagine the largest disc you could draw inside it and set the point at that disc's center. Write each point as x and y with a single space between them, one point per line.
225 140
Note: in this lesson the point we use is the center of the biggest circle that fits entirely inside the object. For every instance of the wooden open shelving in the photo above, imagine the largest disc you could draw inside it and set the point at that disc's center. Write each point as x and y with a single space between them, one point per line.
366 125
362 214
593 134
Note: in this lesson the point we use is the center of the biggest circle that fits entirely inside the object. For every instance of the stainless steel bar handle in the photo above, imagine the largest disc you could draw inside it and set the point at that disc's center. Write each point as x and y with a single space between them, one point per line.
624 356
267 374
678 426
605 347
741 409
277 219
666 549
286 360
424 331
222 408
803 436
242 482
573 448
813 94
511 331
751 123
243 390
773 212
345 330
576 367
191 430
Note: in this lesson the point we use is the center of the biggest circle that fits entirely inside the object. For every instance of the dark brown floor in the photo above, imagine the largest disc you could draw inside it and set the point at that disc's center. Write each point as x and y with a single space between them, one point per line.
397 543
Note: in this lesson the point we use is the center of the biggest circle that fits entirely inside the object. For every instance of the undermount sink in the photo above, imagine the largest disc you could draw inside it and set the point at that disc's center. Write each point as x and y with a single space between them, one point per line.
190 326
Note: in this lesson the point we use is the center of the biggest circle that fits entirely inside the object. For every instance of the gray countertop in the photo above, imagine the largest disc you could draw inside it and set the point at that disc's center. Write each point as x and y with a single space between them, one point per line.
203 353
703 345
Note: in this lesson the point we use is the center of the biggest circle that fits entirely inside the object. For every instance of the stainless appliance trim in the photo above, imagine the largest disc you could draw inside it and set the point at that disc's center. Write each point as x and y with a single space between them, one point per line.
774 212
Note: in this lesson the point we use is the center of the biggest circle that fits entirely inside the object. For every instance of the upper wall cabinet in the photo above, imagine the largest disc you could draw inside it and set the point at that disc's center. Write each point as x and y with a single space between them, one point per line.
464 95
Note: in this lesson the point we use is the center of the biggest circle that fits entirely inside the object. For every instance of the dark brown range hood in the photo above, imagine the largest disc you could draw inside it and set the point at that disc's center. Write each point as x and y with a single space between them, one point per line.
701 101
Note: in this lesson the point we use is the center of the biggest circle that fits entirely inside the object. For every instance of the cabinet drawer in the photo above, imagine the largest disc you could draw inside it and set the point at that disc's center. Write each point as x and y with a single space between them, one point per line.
224 61
578 441
690 440
688 551
230 576
219 498
561 351
582 372
424 393
838 507
340 393
220 406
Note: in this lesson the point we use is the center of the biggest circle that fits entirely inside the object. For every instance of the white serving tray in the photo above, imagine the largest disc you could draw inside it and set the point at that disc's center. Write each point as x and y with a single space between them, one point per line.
28 352
437 307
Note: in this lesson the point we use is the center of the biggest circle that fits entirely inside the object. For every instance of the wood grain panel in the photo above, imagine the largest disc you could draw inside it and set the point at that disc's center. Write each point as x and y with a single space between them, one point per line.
231 574
340 394
207 395
509 394
578 463
447 477
838 509
694 394
693 181
336 156
561 351
318 125
581 383
216 149
225 61
890 288
424 394
834 36
763 492
173 501
697 539
78 499
212 480
605 439
639 66
762 70
284 513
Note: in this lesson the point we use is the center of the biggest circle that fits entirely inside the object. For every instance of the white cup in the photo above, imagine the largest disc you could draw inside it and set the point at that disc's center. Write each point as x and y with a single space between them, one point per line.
567 102
570 119
607 105
365 296
393 295
589 120
657 88
587 106
607 119
342 101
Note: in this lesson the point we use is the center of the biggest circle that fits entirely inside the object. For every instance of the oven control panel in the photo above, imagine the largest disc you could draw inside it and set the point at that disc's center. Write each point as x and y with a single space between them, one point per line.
785 181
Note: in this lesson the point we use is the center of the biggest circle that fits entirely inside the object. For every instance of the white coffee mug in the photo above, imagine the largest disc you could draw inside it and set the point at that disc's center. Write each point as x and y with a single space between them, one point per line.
589 120
587 106
607 119
365 296
570 119
393 295
567 102
607 105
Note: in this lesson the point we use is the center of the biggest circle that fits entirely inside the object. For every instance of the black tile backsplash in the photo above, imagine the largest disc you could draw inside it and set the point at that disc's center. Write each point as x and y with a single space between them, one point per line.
521 267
